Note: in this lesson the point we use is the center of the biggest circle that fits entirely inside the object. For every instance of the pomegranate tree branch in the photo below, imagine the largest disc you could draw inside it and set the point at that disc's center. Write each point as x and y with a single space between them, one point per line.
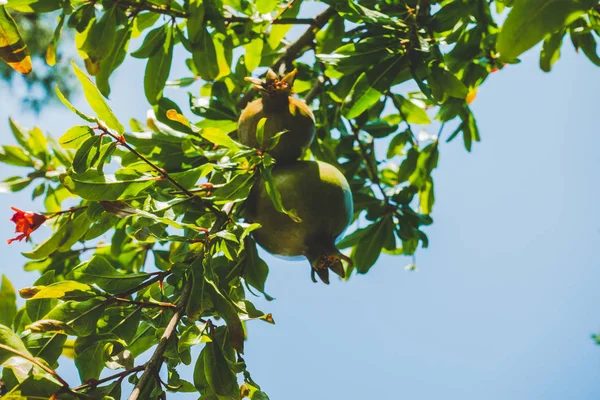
121 375
295 49
63 383
173 13
152 367
371 168
120 140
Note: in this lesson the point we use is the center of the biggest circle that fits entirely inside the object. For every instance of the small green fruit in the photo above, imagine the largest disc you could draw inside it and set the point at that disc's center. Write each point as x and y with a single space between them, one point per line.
282 113
321 197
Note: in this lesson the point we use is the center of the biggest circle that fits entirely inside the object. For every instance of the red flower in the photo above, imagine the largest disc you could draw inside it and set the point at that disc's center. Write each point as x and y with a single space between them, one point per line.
26 223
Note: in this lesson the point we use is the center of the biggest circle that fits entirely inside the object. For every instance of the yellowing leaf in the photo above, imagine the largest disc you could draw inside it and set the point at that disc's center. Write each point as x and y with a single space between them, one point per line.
471 95
12 48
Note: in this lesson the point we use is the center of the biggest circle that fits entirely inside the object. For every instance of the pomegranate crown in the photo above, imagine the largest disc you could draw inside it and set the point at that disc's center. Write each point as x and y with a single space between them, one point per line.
272 85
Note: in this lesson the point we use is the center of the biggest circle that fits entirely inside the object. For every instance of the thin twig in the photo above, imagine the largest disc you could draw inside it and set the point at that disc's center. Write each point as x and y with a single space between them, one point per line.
155 167
315 90
295 49
166 10
95 382
160 304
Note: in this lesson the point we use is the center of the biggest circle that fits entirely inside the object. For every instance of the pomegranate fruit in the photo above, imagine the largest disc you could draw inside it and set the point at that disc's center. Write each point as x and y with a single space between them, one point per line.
321 198
282 112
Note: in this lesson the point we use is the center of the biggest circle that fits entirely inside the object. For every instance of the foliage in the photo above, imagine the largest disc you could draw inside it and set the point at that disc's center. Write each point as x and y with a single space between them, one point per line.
155 255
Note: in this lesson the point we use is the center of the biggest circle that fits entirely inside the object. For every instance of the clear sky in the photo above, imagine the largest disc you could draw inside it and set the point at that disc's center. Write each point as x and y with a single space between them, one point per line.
505 298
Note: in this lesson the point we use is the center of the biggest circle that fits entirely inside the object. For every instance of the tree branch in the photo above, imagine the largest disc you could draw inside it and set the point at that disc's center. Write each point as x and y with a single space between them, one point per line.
64 384
295 49
121 375
152 367
162 172
373 173
166 10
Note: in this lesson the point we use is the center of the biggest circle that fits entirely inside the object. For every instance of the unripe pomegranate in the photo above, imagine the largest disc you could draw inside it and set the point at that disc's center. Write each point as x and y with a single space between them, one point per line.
321 197
282 112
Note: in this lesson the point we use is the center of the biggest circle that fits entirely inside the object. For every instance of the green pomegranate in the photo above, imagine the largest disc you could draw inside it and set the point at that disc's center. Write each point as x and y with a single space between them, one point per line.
321 198
283 113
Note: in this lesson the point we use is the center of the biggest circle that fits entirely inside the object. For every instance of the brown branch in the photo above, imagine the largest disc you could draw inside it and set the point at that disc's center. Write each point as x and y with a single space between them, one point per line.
166 10
295 49
121 375
371 169
64 384
120 140
145 304
315 90
152 367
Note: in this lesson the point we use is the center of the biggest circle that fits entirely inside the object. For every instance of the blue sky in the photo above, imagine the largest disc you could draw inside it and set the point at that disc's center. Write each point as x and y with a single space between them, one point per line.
505 298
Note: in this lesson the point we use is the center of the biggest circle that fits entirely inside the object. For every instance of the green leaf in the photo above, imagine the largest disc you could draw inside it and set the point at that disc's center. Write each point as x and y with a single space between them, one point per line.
237 189
75 136
530 21
275 196
65 236
158 69
47 346
8 302
90 355
253 53
97 102
153 41
104 187
204 54
371 86
445 84
197 303
260 132
12 48
14 155
587 43
219 375
70 106
192 336
427 161
265 6
121 321
36 309
195 21
426 197
397 144
98 271
9 344
551 50
87 154
82 316
217 136
367 251
101 36
379 128
412 113
113 60
228 312
255 269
